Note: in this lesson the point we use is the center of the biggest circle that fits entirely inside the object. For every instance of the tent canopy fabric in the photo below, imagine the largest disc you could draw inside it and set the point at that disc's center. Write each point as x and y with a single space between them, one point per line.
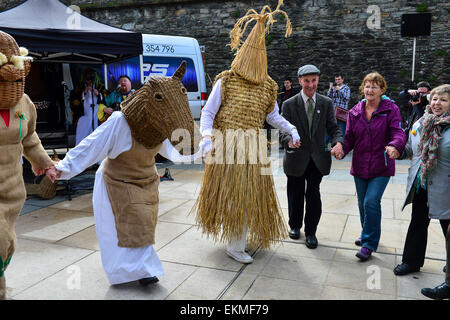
54 32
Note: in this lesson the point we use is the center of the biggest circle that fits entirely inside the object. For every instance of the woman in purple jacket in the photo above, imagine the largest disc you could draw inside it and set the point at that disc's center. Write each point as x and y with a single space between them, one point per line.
374 133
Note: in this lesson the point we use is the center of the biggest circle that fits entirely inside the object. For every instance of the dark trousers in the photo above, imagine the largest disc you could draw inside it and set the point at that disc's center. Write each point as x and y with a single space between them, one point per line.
297 195
416 238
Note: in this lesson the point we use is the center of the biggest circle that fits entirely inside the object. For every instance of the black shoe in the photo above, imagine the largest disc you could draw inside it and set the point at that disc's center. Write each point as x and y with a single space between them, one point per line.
404 268
294 234
438 293
147 281
311 242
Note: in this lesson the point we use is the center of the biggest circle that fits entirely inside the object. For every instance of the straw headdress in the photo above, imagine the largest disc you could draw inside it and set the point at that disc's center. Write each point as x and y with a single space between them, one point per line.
251 59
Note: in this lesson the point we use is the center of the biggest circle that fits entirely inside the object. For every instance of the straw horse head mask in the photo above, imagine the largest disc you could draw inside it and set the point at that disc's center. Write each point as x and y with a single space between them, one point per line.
158 109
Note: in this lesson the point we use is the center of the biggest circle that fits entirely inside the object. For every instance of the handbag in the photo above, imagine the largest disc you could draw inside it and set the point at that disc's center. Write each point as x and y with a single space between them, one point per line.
341 114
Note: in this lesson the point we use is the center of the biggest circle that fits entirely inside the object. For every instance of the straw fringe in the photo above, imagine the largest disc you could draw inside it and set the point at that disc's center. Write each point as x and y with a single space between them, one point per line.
222 211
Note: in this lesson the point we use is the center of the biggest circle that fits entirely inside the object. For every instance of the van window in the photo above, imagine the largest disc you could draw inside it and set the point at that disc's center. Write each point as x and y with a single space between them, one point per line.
166 66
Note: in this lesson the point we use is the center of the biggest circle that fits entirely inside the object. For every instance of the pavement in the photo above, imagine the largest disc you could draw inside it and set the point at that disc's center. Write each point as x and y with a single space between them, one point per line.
57 255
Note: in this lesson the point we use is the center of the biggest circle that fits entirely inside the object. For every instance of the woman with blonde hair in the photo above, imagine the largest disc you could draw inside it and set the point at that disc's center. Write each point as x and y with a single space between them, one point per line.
374 133
428 182
429 151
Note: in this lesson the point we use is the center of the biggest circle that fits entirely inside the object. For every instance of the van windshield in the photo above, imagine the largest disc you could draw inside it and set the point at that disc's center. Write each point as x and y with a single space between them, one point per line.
166 66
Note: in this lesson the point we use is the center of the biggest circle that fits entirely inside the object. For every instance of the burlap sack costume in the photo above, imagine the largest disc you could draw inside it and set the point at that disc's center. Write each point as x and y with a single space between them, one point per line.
16 139
239 192
153 113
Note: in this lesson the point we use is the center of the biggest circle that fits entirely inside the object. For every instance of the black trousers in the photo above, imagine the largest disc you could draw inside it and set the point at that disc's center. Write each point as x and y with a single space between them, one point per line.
417 236
297 195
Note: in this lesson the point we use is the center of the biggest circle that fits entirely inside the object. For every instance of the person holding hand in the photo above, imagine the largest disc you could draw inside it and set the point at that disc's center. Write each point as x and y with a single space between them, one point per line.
429 147
374 133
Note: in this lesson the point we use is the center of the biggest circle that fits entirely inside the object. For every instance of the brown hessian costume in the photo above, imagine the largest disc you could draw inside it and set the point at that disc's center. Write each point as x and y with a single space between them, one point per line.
238 195
17 138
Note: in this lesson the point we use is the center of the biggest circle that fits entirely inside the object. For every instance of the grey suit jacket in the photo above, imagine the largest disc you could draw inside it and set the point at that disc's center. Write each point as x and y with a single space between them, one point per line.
313 144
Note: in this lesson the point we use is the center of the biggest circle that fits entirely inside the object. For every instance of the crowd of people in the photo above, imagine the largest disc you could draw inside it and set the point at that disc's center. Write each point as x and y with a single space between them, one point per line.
241 208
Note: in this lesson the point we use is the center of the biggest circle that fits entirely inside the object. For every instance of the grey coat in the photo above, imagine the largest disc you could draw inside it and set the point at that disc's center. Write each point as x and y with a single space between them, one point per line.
438 181
313 146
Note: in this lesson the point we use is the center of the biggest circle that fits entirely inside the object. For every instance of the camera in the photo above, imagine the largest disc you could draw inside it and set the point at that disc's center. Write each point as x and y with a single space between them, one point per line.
334 84
415 98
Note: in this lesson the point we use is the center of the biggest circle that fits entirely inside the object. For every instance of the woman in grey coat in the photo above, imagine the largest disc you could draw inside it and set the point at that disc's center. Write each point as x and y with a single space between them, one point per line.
428 179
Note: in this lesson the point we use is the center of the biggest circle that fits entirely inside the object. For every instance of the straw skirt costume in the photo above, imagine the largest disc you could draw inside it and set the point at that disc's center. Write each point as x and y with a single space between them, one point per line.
238 190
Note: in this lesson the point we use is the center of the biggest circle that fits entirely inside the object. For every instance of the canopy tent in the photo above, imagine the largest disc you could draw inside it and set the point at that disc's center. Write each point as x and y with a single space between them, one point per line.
54 32
55 36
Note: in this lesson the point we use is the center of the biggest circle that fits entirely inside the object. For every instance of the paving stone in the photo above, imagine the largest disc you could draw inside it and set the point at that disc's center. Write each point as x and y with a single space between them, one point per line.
198 285
52 224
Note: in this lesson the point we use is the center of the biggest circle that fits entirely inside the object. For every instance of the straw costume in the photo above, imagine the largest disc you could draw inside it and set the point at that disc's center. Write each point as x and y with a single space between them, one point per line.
237 195
125 196
17 137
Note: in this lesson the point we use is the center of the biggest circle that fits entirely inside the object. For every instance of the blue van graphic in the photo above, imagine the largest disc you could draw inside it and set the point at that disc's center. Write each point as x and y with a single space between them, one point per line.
166 66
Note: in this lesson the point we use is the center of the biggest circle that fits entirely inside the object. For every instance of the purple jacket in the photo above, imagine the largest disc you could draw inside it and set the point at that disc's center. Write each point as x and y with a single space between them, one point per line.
369 139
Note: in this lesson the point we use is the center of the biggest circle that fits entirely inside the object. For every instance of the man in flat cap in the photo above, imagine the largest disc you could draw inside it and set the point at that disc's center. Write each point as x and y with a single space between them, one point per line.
313 116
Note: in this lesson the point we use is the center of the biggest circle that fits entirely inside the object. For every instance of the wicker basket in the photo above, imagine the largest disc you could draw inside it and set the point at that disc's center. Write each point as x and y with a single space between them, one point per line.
11 93
12 89
46 188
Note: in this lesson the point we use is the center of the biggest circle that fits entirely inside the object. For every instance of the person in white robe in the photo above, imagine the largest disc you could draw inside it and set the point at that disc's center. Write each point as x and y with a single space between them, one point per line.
89 121
110 140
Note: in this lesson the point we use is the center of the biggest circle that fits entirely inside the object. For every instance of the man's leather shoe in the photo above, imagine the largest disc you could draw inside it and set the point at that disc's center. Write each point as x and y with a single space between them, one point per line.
404 269
438 293
311 242
294 234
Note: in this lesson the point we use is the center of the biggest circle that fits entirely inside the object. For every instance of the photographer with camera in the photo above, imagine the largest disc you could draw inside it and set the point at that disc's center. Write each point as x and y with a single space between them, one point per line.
415 102
90 98
113 100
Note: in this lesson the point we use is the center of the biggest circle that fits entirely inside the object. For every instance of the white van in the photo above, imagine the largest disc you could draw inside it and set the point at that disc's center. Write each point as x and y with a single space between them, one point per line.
162 55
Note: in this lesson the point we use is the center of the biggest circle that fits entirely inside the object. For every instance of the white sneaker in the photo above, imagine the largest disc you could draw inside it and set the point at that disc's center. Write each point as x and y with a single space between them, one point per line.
240 256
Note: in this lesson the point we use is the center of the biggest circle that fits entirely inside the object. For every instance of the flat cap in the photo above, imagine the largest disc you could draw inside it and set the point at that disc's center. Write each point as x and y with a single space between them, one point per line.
308 69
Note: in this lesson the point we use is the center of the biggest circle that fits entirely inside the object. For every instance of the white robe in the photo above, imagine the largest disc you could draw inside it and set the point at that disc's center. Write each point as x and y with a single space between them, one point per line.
110 140
84 124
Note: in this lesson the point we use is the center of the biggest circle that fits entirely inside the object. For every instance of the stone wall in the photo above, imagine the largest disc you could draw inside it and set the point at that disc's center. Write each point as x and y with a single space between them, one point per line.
336 35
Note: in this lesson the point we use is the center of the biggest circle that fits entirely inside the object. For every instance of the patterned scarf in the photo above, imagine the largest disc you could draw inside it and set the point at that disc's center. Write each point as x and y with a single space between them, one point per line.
433 127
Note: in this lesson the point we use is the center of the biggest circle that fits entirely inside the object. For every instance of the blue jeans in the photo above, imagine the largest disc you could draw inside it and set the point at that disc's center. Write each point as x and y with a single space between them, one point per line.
342 126
369 192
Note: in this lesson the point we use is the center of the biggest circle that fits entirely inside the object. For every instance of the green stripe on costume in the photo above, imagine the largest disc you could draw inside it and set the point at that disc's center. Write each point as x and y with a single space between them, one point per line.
3 265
